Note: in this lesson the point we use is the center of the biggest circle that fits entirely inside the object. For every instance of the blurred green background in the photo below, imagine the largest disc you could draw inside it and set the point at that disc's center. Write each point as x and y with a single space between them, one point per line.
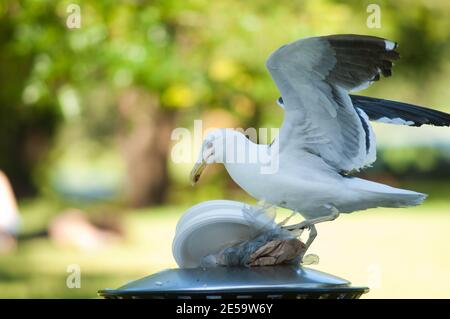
86 117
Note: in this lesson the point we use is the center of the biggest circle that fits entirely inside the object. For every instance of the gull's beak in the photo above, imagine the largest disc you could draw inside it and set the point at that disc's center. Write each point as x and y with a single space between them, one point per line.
199 167
197 171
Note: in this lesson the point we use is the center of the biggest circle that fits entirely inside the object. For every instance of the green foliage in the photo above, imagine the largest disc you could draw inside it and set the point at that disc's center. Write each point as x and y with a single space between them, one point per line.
191 55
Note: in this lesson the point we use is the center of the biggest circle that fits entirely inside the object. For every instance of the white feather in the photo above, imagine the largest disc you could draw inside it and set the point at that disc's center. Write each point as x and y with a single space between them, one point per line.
396 120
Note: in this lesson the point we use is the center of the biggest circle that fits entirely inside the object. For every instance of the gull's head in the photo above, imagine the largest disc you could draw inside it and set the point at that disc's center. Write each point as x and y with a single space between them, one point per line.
214 148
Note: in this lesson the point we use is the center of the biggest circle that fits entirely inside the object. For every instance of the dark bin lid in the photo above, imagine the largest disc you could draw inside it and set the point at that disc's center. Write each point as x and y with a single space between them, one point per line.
223 282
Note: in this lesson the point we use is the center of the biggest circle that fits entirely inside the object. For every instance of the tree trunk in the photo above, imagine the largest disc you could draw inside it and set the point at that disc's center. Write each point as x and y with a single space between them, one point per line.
144 138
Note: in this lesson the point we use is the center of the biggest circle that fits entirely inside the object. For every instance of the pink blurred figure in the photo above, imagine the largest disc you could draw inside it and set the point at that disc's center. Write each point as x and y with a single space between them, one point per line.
9 215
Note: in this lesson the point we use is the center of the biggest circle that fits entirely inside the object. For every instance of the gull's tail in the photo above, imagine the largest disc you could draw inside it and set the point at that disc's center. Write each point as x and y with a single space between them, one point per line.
369 194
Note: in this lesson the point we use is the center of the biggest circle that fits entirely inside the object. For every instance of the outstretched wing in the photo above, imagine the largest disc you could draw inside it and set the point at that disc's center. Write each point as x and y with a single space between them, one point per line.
314 76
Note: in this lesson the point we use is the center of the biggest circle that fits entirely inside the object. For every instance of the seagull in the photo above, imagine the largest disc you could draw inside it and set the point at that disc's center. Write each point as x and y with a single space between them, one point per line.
326 134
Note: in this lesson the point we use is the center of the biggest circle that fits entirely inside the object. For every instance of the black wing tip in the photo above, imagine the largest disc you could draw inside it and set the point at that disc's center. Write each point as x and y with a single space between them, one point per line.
364 57
377 109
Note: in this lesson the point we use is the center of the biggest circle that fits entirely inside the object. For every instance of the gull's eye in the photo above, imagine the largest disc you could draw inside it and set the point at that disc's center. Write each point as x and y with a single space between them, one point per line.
247 136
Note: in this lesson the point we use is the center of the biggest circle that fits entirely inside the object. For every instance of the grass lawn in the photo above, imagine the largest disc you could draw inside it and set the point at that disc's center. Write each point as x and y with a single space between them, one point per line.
397 252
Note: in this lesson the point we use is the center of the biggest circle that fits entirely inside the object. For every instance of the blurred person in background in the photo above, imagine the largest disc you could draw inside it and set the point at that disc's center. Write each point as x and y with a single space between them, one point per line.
9 215
71 227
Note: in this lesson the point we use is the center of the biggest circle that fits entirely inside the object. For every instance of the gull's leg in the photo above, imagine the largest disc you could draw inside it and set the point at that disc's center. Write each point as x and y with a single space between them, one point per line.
309 222
311 236
284 221
298 231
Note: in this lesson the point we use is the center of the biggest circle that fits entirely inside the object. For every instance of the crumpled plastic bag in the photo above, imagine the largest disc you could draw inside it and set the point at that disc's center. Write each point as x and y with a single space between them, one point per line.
271 244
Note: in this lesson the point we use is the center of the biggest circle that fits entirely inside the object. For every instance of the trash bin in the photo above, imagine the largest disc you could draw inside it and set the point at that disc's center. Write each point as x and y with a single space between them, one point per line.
274 282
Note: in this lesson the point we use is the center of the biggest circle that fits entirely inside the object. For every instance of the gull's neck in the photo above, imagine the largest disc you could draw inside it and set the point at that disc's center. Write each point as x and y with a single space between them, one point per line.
248 162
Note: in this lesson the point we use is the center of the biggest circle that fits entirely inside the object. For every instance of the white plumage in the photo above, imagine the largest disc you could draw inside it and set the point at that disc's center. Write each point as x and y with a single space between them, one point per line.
326 133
